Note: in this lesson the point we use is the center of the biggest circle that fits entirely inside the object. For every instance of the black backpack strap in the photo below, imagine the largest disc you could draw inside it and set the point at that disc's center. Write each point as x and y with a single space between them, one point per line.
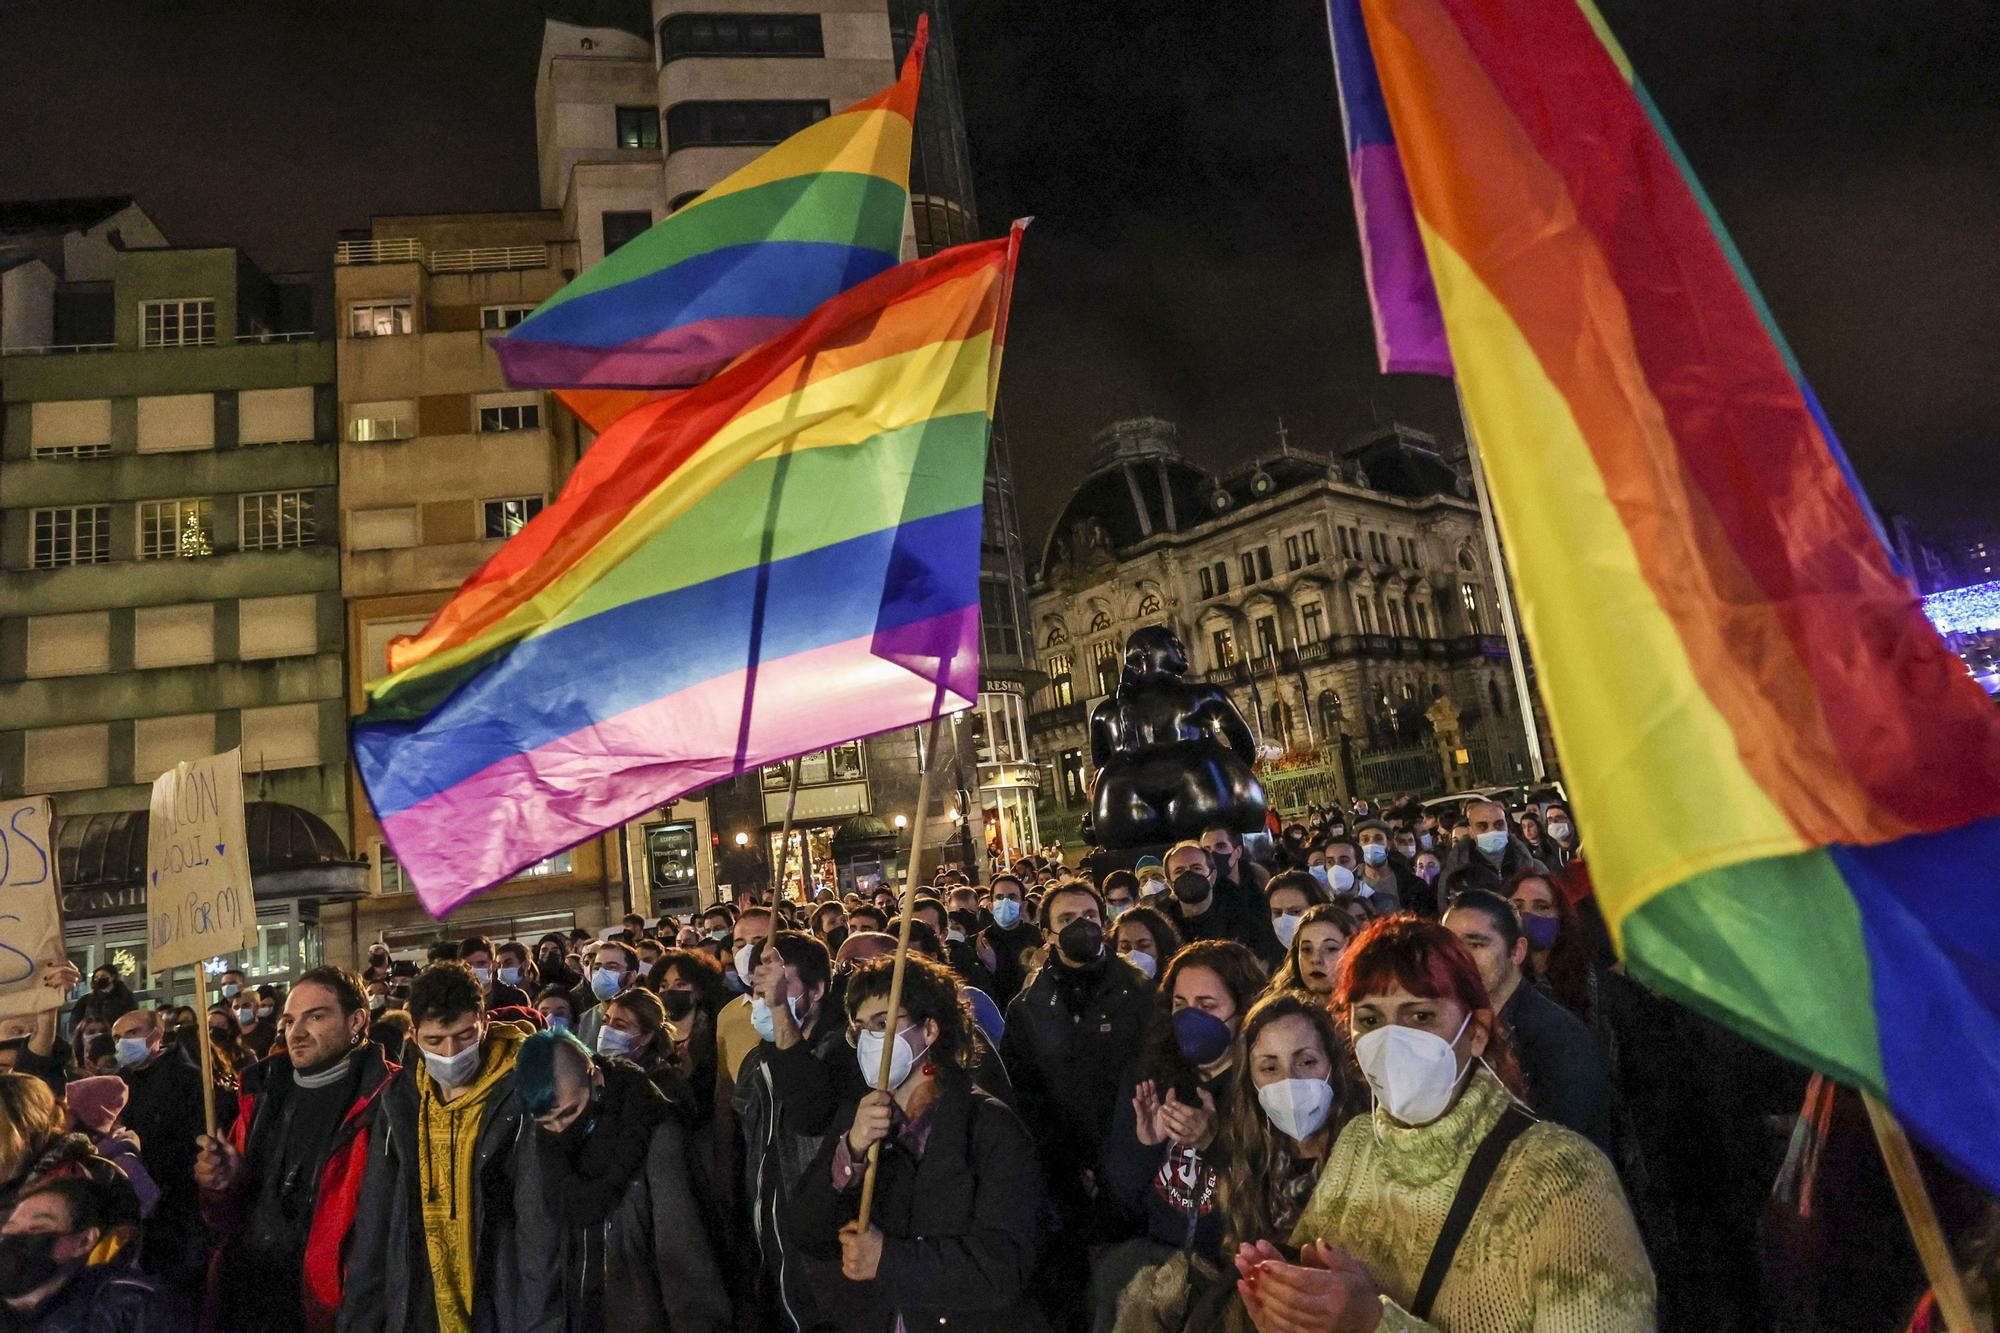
1471 1189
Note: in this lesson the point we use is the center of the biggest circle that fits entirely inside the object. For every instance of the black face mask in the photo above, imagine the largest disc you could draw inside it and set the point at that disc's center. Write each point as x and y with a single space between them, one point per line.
101 984
1191 886
573 1135
26 1262
678 1003
1081 941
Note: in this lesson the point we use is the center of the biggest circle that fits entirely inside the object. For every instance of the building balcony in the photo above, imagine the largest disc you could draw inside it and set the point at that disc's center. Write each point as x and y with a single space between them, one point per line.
107 370
213 578
473 259
1055 719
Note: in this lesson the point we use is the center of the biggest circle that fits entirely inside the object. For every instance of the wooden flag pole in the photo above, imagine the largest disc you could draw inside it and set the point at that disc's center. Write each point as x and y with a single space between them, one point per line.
785 840
1946 1281
207 1052
902 957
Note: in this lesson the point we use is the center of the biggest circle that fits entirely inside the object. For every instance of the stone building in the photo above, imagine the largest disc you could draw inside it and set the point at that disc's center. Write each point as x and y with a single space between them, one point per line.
1336 597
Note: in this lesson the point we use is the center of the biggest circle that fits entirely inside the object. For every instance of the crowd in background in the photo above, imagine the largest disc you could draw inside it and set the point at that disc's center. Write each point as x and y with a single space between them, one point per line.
1388 1073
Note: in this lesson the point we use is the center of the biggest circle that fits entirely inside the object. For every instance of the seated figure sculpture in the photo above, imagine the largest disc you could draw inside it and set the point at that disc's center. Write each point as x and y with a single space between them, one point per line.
1172 757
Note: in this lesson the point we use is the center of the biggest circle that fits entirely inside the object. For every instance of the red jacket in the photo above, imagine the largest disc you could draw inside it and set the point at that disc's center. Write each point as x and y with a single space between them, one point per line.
324 1264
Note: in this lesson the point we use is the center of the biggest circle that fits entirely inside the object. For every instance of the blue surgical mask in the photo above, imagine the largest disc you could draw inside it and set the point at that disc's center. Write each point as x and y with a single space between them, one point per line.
1318 873
1426 841
557 1023
133 1052
1375 853
229 990
1492 842
1006 911
611 1041
510 976
719 934
453 1071
606 982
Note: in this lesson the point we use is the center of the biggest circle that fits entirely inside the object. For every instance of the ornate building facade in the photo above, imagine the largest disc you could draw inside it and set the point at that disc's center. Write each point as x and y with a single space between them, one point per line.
1337 597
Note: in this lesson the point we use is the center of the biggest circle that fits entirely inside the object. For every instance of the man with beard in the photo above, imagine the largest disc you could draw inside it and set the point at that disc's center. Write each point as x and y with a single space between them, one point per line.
281 1188
1070 1033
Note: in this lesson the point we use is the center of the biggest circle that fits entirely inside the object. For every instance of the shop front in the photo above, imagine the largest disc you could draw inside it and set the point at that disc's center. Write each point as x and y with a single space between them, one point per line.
1009 782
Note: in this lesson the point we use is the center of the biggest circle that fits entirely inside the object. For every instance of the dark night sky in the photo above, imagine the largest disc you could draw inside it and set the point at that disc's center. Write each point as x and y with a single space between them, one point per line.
1194 252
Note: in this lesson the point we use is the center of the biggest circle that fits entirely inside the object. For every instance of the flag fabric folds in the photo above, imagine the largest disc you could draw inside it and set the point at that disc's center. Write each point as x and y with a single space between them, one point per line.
1792 789
1409 329
777 560
749 258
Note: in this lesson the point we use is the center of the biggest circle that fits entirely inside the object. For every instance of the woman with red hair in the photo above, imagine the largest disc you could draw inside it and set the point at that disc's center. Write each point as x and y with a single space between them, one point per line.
1449 1208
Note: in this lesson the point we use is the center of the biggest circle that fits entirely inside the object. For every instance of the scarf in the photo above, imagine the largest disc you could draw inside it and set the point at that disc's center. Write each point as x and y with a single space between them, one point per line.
587 1167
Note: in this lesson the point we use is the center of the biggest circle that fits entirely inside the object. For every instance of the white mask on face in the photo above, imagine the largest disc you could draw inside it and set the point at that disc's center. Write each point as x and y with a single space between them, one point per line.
1412 1072
1297 1106
1343 878
1144 961
1559 831
868 1052
451 1071
1287 925
742 961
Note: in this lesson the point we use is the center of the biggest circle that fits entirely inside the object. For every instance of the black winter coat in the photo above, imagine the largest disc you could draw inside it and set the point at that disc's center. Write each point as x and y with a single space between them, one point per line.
1065 1066
108 1299
959 1223
388 1272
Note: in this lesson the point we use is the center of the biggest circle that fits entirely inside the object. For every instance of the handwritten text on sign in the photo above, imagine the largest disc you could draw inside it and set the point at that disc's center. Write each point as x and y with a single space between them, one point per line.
198 897
30 914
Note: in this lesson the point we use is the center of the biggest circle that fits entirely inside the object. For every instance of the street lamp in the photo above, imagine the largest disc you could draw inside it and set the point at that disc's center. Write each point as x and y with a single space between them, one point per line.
902 822
742 840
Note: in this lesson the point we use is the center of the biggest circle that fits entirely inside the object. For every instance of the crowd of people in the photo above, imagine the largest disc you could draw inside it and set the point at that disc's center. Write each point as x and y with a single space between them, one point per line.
1385 1075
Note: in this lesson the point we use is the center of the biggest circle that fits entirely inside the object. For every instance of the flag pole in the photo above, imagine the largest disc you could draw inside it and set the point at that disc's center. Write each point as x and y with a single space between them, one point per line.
902 956
785 840
1918 1214
207 1052
1503 583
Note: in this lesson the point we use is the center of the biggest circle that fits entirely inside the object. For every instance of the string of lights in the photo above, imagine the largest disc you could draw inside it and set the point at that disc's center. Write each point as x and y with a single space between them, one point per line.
1974 609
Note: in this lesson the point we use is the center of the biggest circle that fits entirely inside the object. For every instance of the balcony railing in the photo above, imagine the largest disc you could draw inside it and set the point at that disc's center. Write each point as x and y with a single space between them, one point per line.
474 259
265 336
57 349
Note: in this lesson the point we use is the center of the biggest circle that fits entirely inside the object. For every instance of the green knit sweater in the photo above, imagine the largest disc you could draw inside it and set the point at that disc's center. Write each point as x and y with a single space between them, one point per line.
1552 1249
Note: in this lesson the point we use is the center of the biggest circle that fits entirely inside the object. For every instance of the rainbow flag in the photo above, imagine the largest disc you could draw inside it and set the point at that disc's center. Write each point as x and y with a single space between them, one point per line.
754 255
778 560
1792 789
1409 329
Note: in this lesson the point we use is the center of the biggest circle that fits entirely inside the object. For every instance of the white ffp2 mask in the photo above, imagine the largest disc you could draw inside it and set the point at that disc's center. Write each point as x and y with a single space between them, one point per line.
1297 1106
1413 1072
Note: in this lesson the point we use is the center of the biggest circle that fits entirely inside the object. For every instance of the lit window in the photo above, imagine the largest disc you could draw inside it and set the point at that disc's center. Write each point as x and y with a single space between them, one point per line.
65 453
1470 596
176 529
379 320
504 518
510 416
1224 643
1060 687
375 422
276 520
503 316
638 127
559 864
183 323
79 535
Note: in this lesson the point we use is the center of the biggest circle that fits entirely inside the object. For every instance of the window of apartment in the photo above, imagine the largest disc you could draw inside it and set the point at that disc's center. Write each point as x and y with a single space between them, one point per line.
503 316
79 428
1345 549
1104 665
181 635
275 416
1293 556
1263 562
158 743
276 520
1061 689
1469 595
1364 615
73 645
66 758
187 322
277 626
1395 609
559 864
740 35
377 635
638 127
1207 581
394 420
1267 636
504 518
1309 543
510 416
683 199
726 124
379 319
283 737
1224 642
620 227
72 535
1312 622
1354 537
382 529
389 871
1423 620
1249 564
1221 577
170 529
175 423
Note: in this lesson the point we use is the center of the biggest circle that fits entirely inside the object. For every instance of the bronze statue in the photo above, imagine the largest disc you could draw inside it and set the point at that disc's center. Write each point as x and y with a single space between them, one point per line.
1172 757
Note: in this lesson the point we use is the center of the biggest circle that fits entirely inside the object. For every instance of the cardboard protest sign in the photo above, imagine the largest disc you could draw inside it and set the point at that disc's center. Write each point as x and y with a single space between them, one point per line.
31 936
198 898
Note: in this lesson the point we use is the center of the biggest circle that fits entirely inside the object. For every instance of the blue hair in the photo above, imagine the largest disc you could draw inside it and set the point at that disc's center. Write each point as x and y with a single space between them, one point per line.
535 1069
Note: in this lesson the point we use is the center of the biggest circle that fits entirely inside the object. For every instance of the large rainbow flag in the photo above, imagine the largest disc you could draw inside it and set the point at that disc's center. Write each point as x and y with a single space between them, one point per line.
780 559
749 258
1792 788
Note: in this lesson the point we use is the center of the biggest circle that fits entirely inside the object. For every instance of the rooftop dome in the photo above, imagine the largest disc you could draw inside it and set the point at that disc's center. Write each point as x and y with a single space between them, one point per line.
1139 484
108 851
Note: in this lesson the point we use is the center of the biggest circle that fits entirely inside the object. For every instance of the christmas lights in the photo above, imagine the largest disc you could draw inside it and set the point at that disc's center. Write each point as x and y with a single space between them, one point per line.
1970 610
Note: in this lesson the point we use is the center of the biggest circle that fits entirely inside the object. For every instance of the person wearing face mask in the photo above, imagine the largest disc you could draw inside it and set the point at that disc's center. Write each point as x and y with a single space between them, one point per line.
439 1239
605 1173
616 968
46 1281
1491 843
1069 1034
107 1000
1121 893
735 1038
1562 1066
551 966
514 970
958 1194
957 951
1159 1163
1013 933
1390 882
37 1146
1548 1242
280 1189
1146 939
1152 875
476 952
1235 872
1286 899
165 1111
256 1020
1559 837
1200 911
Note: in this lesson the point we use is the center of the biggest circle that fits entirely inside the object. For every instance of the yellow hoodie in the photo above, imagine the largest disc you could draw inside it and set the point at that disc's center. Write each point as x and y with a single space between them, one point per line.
448 1133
